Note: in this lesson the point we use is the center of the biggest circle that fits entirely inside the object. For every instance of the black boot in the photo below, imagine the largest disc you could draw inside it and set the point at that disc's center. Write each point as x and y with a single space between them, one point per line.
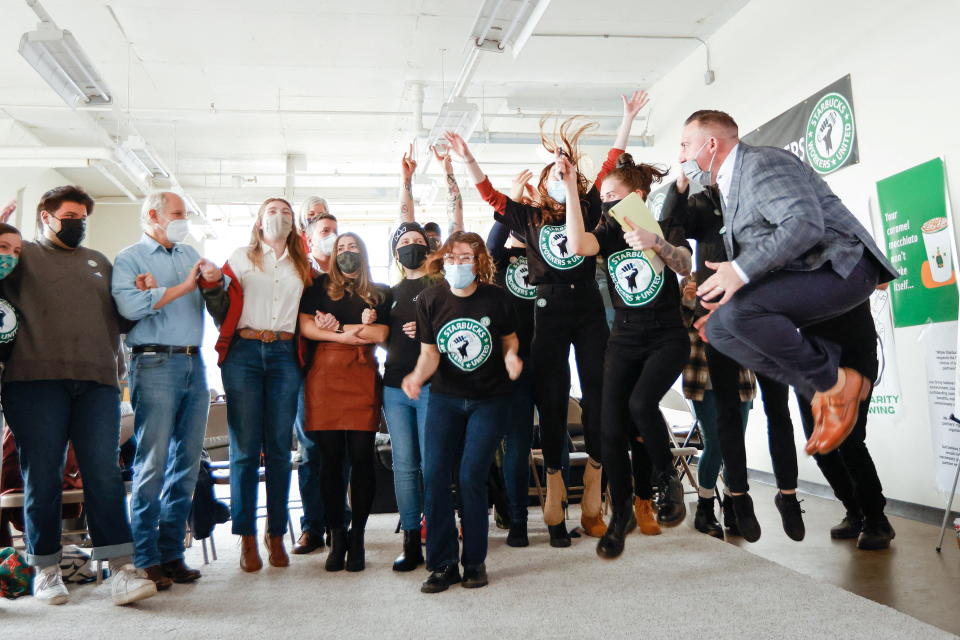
622 522
877 534
338 550
412 556
356 554
746 519
518 535
729 517
441 579
705 521
791 515
559 537
670 508
849 528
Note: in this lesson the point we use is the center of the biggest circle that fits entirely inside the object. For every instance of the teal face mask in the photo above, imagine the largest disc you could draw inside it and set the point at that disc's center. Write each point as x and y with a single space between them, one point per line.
7 264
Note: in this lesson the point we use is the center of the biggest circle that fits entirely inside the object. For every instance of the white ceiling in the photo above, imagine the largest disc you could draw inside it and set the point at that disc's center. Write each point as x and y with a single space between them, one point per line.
228 88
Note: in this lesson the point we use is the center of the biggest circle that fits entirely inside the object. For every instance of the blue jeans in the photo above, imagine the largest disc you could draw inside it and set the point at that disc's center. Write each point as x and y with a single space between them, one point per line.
170 404
310 474
470 430
517 442
44 415
708 467
261 380
406 422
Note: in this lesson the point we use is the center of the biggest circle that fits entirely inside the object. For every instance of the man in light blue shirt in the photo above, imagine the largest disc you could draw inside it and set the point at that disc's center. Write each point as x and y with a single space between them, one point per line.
155 284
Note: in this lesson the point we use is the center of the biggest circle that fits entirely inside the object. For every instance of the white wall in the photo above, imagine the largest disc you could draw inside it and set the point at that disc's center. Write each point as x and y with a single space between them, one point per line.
902 58
27 185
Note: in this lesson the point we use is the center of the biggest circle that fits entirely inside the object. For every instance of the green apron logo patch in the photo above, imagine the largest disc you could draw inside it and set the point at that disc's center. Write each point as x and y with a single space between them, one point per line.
553 248
830 132
8 322
633 277
466 342
517 279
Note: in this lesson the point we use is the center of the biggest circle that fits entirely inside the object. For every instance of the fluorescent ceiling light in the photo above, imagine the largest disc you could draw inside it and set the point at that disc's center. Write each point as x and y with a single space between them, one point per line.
58 58
531 23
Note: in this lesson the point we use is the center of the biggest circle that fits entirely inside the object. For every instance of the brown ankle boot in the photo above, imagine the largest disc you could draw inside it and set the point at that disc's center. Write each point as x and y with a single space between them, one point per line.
276 552
590 505
250 554
646 517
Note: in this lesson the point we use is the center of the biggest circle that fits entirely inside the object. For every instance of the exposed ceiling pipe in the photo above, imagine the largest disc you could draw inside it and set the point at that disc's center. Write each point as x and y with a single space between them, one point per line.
485 29
466 73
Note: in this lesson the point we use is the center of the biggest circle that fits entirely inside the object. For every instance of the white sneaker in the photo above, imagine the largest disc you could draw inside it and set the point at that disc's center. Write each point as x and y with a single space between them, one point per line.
129 585
48 586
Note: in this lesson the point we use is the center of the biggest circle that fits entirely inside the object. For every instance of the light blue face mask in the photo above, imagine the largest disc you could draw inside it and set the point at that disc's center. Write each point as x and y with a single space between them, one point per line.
459 276
557 190
694 173
7 264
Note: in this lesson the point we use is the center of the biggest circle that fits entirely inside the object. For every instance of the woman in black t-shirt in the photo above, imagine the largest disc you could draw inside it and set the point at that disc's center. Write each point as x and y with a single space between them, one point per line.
468 351
648 350
342 389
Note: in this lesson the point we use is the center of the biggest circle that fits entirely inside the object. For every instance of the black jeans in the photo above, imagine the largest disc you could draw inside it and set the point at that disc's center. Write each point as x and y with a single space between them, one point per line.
335 448
783 450
643 361
565 315
850 469
725 379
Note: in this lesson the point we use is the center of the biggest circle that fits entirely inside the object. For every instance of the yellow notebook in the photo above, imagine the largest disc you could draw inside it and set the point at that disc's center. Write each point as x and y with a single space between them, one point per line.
634 209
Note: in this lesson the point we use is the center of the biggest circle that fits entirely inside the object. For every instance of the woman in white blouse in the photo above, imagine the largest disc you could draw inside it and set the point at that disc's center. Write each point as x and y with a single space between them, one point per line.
261 374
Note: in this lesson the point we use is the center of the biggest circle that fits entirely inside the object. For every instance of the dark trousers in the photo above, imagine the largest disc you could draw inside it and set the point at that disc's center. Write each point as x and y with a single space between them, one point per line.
783 449
336 447
725 379
642 363
568 315
758 326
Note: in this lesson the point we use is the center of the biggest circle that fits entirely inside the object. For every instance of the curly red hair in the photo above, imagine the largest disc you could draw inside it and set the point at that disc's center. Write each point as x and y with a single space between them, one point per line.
483 263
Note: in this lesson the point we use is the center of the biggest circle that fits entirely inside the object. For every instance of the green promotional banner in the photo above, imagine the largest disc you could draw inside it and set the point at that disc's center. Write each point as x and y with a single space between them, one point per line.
917 234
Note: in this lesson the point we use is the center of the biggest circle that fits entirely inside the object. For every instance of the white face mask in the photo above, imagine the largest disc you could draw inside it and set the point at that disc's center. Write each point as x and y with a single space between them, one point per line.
694 173
325 245
277 227
177 230
557 190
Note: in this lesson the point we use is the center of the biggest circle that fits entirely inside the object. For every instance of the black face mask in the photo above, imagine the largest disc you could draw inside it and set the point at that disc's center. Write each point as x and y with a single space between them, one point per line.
412 255
606 206
348 261
72 231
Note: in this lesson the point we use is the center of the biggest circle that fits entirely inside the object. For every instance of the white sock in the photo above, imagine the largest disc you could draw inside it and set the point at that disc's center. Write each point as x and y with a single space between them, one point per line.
706 493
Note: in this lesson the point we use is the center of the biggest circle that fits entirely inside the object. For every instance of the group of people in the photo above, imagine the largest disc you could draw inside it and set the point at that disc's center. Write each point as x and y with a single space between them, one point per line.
477 337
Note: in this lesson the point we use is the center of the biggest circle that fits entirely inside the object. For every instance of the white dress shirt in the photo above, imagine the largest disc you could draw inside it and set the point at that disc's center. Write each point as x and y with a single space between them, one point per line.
271 296
724 182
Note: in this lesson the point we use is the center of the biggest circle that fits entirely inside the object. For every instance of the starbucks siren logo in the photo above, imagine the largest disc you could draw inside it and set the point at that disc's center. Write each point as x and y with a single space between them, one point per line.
517 278
830 133
8 322
656 204
466 342
633 277
553 248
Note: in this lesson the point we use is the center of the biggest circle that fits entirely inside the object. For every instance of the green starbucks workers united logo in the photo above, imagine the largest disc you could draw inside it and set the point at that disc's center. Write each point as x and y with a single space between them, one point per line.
553 248
466 342
634 279
830 133
517 278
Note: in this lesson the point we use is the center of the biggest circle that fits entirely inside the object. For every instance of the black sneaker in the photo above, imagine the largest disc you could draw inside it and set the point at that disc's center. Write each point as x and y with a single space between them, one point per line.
518 535
849 528
876 535
746 518
705 521
670 508
475 577
558 535
441 580
791 515
729 516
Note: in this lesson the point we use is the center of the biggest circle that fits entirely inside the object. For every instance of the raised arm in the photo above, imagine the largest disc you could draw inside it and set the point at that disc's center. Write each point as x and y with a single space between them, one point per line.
454 199
631 107
407 167
459 146
578 240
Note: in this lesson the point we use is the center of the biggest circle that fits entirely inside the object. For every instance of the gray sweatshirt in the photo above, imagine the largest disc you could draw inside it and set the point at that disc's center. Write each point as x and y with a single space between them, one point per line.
69 327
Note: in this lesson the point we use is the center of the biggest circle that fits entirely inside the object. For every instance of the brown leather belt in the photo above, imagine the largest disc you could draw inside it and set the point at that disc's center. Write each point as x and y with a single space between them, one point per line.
265 335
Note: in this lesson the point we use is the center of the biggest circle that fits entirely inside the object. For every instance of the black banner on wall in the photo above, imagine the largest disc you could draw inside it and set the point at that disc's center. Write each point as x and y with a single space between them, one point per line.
821 130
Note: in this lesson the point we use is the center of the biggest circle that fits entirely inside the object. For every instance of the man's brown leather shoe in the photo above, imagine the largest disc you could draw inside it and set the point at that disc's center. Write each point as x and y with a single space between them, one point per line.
250 554
835 414
178 571
308 542
277 554
159 578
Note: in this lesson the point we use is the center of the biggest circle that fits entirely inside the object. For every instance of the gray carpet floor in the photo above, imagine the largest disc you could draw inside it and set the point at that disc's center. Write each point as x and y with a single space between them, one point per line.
680 585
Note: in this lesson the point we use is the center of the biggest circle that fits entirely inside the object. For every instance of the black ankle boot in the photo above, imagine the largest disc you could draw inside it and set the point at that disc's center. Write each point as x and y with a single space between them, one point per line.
705 521
791 515
356 556
441 579
729 517
412 556
670 508
338 550
518 535
849 528
559 537
746 519
622 523
876 535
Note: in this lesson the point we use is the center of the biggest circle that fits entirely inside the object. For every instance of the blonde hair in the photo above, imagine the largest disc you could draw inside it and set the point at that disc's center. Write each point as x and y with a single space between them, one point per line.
361 285
294 244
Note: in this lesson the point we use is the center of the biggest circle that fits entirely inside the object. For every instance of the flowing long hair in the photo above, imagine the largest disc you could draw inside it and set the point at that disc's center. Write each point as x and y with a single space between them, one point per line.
295 248
636 176
361 285
481 257
566 139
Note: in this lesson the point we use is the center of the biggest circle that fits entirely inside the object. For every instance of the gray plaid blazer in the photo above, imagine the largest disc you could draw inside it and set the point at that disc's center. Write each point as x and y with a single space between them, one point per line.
780 214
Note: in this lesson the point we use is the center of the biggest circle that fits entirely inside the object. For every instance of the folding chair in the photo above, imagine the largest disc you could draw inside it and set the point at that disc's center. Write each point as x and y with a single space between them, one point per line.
674 401
577 458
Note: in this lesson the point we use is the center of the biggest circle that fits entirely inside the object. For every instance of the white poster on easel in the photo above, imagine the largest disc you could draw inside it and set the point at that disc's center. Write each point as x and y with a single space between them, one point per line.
940 354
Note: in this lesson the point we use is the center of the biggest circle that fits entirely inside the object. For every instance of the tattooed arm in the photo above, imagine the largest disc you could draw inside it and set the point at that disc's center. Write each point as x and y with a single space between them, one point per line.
454 199
677 258
407 167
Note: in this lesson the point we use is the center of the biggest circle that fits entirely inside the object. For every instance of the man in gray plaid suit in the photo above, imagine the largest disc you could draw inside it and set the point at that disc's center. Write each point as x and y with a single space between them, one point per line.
796 256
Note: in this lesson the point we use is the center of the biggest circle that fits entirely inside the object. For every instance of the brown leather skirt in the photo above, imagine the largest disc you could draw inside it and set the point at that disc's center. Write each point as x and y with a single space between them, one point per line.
343 389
